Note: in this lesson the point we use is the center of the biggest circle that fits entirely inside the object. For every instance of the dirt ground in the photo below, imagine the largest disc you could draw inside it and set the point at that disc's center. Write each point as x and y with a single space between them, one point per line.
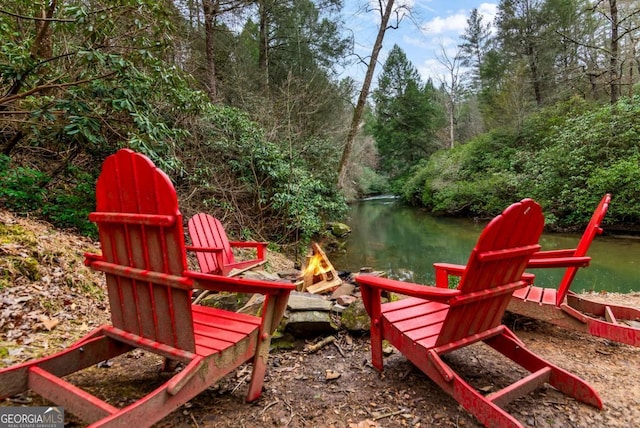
333 387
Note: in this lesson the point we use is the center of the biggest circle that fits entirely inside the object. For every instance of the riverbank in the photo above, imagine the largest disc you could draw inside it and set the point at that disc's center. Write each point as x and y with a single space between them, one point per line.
53 299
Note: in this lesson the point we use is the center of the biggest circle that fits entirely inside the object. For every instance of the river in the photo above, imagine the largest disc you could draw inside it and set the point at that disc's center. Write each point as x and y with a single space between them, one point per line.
406 241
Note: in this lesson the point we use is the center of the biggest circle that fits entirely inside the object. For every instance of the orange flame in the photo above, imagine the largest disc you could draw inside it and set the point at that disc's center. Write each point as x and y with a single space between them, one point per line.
316 265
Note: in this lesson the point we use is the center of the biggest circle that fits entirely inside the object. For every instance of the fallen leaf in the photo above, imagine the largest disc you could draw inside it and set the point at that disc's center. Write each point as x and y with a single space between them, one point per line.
331 374
49 323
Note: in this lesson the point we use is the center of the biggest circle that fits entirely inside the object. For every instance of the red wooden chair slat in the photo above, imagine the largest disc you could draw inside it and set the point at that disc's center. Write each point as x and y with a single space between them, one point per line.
213 249
149 288
432 321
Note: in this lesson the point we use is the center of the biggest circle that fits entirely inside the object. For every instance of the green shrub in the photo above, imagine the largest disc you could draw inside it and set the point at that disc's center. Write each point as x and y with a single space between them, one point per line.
21 189
372 183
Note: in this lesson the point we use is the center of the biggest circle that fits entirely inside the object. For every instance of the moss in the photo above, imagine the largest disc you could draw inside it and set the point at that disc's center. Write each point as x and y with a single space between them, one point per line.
16 234
20 257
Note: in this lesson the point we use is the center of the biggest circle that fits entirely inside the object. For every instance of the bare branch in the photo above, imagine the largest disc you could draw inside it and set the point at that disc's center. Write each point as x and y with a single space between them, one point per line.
52 86
36 18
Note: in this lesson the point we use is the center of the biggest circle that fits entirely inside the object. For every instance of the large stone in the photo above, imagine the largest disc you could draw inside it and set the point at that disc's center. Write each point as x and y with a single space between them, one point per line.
355 318
339 229
225 300
345 289
309 323
307 302
261 275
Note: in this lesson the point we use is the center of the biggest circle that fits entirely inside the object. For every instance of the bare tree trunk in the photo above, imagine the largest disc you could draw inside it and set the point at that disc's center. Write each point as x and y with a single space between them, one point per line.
210 8
362 99
613 60
263 54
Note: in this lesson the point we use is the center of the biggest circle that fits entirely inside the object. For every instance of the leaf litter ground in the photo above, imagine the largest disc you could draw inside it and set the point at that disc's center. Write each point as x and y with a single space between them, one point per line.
53 300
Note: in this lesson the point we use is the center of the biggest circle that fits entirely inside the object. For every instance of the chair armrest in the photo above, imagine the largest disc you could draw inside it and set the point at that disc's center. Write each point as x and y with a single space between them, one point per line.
443 270
559 262
203 249
213 282
92 257
407 288
248 244
553 253
261 247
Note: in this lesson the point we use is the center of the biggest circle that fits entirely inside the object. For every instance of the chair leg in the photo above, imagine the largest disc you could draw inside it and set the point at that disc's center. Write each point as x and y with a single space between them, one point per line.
511 347
257 376
376 347
488 413
86 352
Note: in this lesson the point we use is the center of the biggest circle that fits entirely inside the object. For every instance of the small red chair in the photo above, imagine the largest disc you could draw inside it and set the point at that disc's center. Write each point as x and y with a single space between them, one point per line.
213 249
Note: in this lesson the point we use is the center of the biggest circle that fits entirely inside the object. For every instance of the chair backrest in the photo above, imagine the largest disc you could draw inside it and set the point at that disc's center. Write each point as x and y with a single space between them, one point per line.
143 250
593 229
494 271
207 231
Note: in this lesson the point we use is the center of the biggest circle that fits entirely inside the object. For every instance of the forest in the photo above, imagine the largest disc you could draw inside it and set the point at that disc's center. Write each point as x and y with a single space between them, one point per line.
242 104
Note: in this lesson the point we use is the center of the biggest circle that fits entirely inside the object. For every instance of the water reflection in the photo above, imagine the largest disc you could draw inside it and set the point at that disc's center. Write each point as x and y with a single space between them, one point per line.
405 242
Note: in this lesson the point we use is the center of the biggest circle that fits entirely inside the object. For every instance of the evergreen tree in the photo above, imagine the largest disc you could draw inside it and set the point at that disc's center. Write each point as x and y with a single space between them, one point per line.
406 116
476 44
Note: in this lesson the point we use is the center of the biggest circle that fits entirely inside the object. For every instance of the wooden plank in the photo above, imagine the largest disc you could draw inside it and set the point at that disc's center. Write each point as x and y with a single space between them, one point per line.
549 296
535 294
609 316
72 398
520 388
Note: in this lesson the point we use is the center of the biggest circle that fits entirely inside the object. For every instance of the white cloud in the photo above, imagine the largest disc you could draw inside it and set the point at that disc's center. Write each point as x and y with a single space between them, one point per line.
438 25
432 69
456 22
488 11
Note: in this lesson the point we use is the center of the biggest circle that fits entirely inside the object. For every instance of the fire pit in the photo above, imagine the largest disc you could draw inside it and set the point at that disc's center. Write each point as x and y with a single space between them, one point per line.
319 275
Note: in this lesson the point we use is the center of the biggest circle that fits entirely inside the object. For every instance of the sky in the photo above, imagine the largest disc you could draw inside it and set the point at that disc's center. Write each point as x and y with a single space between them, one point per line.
434 25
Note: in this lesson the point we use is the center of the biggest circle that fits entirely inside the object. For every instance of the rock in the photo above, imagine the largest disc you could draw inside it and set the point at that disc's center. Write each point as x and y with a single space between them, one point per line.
253 305
331 374
225 300
339 229
355 317
299 301
261 275
309 323
346 300
343 290
338 309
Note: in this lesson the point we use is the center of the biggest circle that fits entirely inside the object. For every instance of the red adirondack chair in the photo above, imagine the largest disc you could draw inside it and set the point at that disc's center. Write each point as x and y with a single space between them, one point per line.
149 288
214 251
434 321
566 309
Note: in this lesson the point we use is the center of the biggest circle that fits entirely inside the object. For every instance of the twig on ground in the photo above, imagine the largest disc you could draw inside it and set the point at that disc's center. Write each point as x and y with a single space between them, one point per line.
388 415
193 418
290 412
324 342
270 405
243 380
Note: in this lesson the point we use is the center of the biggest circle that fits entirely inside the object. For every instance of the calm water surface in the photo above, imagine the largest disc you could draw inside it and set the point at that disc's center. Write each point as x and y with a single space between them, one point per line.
406 241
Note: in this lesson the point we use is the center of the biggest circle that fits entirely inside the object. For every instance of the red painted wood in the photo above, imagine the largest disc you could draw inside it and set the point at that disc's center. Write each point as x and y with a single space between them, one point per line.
72 398
535 294
436 320
593 228
149 287
214 251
